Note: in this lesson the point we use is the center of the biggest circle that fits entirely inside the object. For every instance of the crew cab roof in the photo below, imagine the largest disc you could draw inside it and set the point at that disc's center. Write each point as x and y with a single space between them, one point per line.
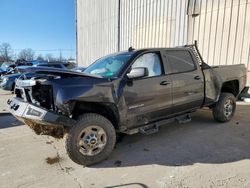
136 51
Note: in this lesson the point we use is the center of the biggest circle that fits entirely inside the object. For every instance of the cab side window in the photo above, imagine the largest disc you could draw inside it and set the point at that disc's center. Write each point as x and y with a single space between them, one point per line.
180 61
151 61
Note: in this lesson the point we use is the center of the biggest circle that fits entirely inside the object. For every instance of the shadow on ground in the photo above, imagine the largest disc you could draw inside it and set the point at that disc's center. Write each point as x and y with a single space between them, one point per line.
201 141
8 121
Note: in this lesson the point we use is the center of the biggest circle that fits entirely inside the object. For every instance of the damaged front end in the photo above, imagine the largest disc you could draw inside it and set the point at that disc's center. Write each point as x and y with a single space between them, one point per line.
34 105
46 101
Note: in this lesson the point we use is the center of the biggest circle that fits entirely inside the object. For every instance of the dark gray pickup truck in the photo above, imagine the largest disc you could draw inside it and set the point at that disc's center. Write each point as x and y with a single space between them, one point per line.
127 92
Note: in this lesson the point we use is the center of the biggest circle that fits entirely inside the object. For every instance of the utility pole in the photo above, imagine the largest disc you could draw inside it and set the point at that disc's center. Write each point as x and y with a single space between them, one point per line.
119 26
60 58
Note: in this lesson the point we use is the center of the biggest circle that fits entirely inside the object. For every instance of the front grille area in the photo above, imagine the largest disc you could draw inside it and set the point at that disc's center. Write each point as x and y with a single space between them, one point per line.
20 93
41 95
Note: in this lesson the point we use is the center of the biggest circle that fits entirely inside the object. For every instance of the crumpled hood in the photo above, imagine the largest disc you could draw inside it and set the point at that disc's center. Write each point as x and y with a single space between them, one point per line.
79 87
55 71
68 87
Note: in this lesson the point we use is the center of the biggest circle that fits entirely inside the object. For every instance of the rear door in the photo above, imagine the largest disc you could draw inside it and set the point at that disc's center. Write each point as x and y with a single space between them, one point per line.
187 80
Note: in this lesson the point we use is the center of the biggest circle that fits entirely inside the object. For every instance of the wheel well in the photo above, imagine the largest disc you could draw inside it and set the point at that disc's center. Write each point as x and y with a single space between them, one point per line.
107 110
231 87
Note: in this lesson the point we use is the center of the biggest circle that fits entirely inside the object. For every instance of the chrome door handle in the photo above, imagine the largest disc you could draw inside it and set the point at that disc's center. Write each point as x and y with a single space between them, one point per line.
197 77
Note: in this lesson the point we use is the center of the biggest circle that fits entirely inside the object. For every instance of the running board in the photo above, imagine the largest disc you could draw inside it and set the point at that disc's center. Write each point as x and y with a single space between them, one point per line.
149 129
154 127
184 118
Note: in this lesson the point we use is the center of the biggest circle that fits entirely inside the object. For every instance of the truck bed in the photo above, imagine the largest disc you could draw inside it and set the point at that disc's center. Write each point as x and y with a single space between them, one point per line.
230 72
216 76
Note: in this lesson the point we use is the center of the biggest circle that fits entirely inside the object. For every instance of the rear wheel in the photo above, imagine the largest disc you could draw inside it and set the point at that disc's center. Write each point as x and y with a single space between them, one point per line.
91 140
225 108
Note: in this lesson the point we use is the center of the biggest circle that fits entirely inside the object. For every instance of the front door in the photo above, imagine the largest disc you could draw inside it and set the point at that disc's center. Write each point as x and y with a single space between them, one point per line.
149 98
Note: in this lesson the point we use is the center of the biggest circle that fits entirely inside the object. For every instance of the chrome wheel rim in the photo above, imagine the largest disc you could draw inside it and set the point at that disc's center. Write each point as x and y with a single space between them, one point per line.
228 108
92 140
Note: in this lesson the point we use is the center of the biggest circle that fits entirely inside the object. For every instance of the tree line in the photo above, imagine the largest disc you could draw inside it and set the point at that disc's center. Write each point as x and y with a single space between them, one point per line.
7 54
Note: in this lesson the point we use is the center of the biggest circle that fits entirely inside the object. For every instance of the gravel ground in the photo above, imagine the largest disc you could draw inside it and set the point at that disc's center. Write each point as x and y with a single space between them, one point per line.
201 153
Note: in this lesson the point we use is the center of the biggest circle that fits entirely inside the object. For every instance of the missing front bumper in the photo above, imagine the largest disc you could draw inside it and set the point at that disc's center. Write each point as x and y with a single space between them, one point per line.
42 121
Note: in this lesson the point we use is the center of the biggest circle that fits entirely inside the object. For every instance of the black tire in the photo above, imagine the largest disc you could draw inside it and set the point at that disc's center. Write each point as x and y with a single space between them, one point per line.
220 112
13 87
72 140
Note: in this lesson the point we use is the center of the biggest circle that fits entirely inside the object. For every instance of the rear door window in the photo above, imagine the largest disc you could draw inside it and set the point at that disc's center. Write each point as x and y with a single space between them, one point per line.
180 61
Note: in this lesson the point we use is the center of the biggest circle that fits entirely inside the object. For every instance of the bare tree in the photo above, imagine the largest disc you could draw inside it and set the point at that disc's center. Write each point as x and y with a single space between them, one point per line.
6 51
40 57
60 57
27 54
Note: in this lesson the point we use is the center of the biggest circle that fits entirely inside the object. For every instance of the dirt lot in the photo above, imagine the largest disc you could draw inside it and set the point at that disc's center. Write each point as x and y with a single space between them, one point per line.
202 153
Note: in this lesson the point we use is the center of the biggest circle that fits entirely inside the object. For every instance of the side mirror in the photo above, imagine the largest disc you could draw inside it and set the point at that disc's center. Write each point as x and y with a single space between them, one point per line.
138 72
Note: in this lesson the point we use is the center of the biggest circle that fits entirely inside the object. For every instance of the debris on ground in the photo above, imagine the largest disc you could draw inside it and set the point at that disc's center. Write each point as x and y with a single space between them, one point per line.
53 160
49 142
69 169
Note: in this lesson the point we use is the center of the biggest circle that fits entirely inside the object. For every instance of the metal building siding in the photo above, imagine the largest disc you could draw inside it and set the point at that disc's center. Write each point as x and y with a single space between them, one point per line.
153 23
222 31
96 29
143 23
222 27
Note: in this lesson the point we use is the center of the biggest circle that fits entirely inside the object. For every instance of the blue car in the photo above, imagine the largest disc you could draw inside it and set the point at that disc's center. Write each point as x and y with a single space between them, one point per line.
7 82
2 72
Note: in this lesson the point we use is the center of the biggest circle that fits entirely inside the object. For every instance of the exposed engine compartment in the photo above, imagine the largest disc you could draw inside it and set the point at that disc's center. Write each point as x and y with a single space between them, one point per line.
35 92
43 96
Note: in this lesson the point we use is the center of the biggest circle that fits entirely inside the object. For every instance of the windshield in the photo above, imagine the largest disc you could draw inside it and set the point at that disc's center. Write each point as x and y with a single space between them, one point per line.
109 66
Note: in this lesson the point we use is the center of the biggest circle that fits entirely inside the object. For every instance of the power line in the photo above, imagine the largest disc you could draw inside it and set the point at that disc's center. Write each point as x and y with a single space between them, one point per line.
51 50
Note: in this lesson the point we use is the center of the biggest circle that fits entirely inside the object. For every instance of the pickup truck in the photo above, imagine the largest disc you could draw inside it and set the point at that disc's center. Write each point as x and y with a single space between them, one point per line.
127 92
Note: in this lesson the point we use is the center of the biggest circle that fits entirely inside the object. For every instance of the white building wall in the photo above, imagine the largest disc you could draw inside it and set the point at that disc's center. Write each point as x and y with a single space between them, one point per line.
97 31
223 31
153 23
222 27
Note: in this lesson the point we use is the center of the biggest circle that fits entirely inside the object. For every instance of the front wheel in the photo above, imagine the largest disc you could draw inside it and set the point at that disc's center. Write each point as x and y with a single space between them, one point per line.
225 108
91 140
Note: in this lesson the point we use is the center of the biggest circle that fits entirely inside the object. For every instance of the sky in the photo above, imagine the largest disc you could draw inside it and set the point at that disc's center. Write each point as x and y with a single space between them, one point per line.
40 25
